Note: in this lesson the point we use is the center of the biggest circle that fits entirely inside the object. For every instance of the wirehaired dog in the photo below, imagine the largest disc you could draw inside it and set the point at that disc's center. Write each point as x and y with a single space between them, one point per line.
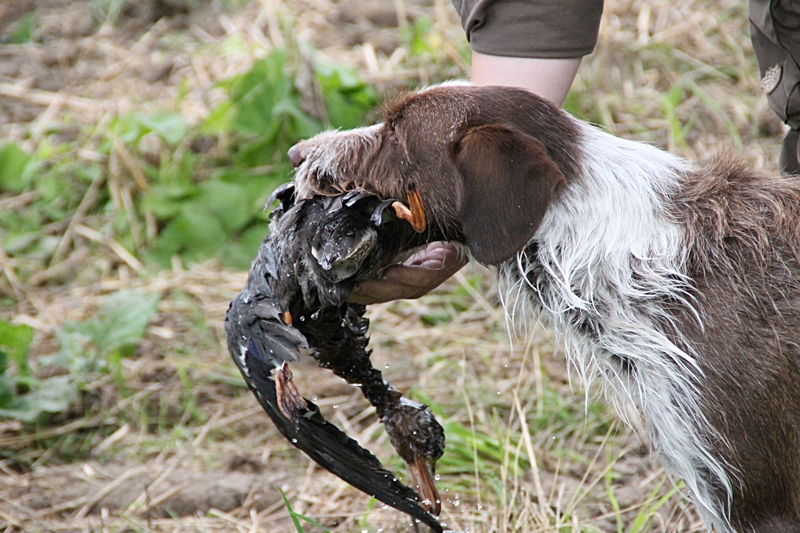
679 286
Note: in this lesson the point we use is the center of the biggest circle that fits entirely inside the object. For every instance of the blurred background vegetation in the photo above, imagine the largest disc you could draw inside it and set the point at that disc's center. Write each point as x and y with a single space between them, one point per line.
139 142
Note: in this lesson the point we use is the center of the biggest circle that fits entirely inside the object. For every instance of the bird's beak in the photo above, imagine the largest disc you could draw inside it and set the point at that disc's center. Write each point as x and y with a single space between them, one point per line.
415 212
423 474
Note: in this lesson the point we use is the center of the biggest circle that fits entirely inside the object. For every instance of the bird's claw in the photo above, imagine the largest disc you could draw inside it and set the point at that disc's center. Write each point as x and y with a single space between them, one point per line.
422 473
290 402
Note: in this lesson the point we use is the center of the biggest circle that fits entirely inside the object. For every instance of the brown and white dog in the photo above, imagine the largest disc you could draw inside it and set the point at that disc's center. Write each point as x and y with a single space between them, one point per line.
680 286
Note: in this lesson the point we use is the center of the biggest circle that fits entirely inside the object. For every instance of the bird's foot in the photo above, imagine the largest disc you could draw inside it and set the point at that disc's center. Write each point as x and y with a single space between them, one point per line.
290 402
422 473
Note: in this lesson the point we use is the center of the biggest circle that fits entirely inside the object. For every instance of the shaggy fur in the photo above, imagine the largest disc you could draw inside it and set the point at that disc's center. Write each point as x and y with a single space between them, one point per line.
679 287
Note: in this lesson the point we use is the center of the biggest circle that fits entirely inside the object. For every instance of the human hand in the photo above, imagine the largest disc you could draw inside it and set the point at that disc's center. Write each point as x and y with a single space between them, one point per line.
420 274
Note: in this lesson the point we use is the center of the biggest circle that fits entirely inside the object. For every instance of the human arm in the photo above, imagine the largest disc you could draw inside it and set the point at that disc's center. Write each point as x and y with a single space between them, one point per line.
545 62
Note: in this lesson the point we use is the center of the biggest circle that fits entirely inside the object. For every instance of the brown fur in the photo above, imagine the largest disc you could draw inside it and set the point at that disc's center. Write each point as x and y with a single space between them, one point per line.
518 147
743 244
489 162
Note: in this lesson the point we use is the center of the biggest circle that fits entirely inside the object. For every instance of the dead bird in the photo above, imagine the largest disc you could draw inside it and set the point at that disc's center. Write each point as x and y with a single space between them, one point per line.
317 251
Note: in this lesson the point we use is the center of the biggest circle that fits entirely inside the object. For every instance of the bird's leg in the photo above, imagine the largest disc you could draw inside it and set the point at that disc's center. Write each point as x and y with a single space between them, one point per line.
290 401
415 212
423 475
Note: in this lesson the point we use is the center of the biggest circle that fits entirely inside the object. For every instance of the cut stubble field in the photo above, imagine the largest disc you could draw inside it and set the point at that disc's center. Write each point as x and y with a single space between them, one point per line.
138 142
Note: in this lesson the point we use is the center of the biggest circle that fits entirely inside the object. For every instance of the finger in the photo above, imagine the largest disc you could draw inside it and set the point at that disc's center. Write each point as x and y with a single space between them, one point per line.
428 271
374 292
400 282
437 255
420 274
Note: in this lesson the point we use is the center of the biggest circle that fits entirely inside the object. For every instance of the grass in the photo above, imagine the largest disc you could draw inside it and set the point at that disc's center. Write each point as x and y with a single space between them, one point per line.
131 203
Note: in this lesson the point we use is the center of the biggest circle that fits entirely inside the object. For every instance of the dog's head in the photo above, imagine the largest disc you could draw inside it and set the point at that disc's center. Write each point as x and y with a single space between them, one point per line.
487 162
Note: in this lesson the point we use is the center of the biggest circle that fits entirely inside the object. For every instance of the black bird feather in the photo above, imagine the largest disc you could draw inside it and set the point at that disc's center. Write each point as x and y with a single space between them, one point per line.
317 251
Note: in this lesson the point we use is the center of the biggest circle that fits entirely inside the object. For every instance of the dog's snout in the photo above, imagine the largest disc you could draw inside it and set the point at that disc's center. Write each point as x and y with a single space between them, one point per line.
296 156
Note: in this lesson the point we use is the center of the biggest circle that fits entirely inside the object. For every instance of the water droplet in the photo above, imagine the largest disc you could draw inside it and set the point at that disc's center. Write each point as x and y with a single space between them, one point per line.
302 319
436 477
386 365
294 441
315 315
335 406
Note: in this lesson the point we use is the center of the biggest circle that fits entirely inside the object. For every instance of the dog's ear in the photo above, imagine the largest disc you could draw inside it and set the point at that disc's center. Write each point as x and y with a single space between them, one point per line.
508 181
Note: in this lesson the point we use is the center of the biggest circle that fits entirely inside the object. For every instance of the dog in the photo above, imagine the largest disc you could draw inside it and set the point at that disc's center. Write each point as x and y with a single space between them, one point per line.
677 285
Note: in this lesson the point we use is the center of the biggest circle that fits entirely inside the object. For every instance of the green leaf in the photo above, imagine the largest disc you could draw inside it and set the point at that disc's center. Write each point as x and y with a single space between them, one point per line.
14 161
15 340
347 97
194 233
219 119
122 320
164 200
169 126
7 386
296 517
74 348
228 202
15 242
23 33
256 93
53 395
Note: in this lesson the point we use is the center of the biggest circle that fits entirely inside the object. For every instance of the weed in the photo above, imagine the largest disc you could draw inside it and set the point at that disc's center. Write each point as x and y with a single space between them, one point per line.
106 11
23 32
94 345
22 396
99 343
297 517
16 170
645 511
164 189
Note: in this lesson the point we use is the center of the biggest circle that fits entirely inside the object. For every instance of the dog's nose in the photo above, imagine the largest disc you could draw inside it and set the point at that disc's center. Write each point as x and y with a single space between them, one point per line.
296 156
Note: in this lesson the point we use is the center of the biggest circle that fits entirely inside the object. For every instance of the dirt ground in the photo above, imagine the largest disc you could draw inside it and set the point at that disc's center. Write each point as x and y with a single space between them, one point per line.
90 60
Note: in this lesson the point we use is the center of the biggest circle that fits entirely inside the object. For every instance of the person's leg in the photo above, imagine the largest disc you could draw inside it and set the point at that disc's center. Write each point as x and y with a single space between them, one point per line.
775 32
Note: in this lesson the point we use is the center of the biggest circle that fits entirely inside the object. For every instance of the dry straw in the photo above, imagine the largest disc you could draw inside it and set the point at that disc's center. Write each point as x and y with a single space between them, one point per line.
679 75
